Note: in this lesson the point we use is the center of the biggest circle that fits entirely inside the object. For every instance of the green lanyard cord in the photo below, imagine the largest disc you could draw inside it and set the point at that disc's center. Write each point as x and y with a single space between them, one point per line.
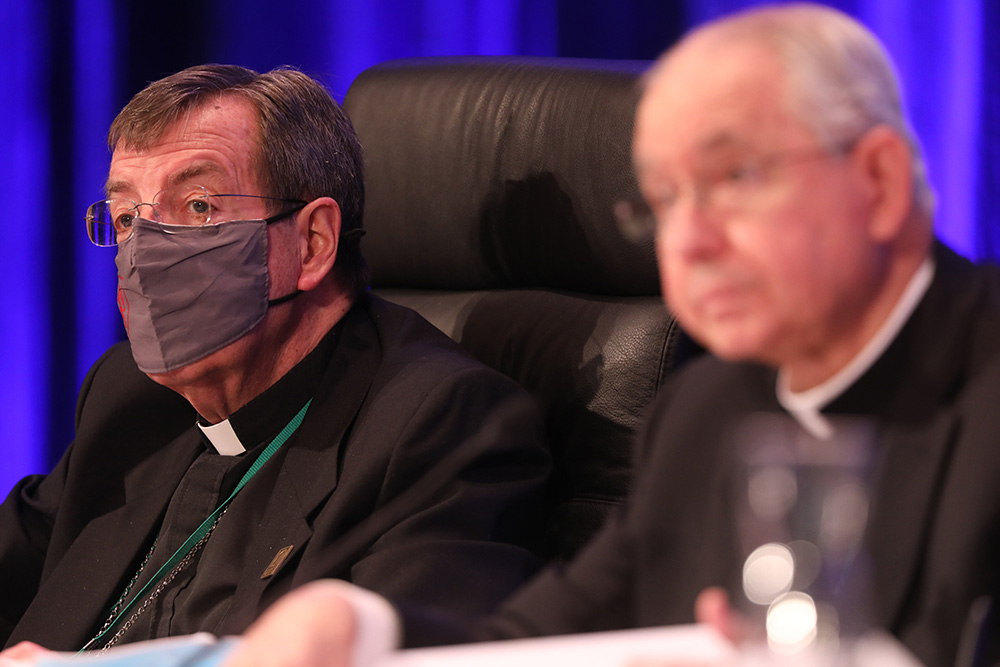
207 525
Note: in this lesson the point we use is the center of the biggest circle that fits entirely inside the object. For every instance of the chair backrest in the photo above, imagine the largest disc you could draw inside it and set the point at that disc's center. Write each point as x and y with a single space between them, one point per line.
491 183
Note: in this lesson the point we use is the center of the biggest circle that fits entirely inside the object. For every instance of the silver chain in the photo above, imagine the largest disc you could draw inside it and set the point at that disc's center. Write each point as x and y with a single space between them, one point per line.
155 593
128 589
261 459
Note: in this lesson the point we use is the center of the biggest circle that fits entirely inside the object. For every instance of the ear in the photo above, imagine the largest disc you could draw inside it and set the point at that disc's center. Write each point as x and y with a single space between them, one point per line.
318 226
884 161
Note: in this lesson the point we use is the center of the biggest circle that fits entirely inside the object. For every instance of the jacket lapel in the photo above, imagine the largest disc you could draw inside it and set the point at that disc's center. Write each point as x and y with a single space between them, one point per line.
309 467
79 583
912 466
911 391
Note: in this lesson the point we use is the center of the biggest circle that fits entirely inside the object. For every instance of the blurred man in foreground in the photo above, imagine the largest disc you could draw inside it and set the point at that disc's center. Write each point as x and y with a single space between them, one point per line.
793 227
268 405
794 235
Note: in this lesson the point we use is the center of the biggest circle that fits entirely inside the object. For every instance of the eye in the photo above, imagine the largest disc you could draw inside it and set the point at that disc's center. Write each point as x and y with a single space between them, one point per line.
196 210
660 195
121 213
737 173
661 203
124 221
732 182
199 206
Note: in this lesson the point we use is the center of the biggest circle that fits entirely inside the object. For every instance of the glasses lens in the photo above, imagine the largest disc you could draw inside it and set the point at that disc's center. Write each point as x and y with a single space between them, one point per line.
187 205
227 207
109 222
192 206
101 218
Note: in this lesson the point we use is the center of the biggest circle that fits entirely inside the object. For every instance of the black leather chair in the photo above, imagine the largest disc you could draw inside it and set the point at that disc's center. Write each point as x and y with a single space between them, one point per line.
491 186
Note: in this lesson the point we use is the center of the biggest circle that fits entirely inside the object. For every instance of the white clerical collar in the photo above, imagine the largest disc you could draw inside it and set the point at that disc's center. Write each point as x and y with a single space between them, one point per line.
223 438
805 406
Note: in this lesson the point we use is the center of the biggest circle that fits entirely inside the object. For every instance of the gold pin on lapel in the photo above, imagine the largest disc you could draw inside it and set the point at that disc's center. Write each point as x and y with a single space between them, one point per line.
276 562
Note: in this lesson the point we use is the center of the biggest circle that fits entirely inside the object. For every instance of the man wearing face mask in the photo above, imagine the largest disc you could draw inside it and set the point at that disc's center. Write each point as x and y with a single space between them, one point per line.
266 405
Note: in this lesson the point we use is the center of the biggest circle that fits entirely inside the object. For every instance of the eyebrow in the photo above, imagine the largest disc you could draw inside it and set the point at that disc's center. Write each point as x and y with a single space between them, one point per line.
720 141
184 175
723 140
195 171
113 187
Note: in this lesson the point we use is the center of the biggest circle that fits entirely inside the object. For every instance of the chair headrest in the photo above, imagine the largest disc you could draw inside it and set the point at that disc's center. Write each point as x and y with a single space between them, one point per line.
495 172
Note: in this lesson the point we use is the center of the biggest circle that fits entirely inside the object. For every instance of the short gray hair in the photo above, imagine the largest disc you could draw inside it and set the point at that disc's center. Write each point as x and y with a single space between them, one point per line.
840 81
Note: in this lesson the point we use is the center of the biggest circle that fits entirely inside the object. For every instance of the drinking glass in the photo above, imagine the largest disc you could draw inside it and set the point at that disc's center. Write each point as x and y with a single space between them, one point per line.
801 508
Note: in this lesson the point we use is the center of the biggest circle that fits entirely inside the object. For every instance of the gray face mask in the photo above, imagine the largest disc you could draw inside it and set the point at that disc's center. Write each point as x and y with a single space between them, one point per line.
185 292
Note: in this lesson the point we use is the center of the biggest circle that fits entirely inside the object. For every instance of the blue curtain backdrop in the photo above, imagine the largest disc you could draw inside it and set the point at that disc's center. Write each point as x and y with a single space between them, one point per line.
66 67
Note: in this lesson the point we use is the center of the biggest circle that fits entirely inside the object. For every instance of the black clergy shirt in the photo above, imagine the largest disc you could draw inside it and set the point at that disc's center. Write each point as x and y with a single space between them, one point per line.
199 597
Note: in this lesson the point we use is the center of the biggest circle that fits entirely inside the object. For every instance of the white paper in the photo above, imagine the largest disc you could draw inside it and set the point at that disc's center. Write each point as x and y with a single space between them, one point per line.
201 650
679 644
604 649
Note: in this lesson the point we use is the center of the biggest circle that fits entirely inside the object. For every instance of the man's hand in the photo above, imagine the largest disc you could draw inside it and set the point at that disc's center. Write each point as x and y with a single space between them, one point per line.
312 626
21 655
712 608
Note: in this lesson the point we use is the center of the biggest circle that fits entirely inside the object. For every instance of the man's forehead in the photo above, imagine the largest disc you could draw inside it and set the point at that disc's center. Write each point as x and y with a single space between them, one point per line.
212 144
709 99
714 75
223 117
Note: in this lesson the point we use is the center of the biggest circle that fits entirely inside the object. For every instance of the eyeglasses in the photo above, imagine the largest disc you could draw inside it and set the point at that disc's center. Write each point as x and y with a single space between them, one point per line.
721 187
109 221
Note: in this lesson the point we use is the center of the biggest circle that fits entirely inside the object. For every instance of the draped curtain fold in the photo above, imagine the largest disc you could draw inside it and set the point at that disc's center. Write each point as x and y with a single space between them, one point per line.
68 65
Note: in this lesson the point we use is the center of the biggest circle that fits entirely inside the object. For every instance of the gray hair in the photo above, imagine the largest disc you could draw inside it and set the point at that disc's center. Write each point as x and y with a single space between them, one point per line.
840 81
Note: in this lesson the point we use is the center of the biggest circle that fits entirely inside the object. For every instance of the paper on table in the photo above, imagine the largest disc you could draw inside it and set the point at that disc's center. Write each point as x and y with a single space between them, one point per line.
602 649
679 644
198 650
688 644
673 645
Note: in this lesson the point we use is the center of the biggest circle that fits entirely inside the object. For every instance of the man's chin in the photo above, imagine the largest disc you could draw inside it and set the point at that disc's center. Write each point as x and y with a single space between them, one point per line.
738 345
176 377
188 374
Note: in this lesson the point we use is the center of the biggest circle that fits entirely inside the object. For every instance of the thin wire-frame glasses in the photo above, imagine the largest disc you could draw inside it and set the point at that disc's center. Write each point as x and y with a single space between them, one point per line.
109 221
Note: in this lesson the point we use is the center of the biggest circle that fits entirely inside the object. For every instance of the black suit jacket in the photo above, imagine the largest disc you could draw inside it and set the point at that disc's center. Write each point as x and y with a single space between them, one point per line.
396 397
934 534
